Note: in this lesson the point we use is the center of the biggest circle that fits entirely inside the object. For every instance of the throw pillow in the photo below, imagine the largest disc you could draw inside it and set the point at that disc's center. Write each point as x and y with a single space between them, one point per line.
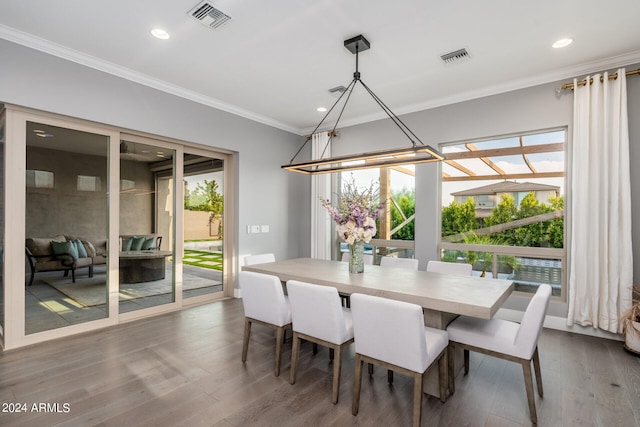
89 248
82 252
136 243
149 243
126 244
64 249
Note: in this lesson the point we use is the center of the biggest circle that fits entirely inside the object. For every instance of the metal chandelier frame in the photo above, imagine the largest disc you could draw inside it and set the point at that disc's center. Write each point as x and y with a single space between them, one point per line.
418 152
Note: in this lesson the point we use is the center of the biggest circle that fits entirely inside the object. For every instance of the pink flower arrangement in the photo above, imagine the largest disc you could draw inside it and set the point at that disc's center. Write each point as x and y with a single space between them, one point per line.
356 213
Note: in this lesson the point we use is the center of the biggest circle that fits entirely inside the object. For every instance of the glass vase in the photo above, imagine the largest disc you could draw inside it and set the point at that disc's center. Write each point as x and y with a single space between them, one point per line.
356 257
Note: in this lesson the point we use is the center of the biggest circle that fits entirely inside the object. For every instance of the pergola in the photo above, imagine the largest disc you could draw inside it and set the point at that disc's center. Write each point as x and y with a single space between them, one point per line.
522 157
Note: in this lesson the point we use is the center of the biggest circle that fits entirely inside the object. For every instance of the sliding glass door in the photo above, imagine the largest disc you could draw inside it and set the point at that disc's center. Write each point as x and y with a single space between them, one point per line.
2 203
65 227
203 214
106 226
146 242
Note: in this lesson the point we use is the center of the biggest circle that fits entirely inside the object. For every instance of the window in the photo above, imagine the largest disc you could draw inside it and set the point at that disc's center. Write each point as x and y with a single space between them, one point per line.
503 207
89 183
396 227
39 179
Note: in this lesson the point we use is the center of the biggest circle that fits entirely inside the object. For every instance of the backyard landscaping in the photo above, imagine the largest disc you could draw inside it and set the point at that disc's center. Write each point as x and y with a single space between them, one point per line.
204 259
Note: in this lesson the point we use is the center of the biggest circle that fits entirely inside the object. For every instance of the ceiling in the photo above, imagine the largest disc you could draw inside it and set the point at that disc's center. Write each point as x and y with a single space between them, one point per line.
274 62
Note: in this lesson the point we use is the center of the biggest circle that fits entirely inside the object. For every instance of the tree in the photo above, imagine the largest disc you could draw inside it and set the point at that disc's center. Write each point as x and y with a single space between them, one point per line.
556 226
205 197
532 235
459 217
406 200
506 211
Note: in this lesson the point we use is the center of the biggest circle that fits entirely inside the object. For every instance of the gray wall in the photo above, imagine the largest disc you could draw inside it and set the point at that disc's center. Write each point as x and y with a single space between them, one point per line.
265 194
523 110
64 209
137 210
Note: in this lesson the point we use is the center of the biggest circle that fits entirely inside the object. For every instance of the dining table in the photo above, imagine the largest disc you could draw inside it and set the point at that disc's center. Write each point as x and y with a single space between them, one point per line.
443 297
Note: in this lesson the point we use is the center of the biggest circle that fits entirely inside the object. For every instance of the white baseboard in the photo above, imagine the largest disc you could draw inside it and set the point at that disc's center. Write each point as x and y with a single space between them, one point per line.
560 324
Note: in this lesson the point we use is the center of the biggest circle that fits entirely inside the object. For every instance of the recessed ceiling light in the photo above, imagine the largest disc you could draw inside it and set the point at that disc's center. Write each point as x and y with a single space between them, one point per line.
321 109
160 33
562 43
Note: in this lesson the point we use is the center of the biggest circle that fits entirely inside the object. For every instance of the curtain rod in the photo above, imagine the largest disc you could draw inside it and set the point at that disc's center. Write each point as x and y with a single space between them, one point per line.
611 77
330 134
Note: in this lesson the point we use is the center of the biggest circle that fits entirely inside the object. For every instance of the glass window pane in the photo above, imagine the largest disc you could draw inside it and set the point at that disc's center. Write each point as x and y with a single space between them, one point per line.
524 208
66 227
203 226
146 243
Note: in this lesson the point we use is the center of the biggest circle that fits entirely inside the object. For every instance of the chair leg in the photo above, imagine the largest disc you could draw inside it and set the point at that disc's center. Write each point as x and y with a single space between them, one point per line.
536 366
314 346
331 354
245 341
417 398
294 357
389 376
357 385
528 385
73 275
91 270
279 341
442 376
370 368
451 369
466 361
337 367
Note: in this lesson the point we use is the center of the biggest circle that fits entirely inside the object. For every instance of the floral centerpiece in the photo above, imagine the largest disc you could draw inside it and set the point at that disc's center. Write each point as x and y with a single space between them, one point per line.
356 216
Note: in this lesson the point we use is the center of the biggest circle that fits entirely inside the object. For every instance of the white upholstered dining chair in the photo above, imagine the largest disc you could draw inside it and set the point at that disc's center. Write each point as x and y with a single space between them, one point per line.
462 269
264 303
504 339
407 263
391 334
259 259
318 317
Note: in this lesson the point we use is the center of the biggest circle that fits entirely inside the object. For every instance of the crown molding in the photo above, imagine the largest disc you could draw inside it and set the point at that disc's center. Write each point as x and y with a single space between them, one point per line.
63 52
46 46
559 75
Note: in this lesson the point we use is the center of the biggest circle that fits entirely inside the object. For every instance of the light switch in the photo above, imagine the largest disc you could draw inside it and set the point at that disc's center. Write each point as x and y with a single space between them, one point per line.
255 228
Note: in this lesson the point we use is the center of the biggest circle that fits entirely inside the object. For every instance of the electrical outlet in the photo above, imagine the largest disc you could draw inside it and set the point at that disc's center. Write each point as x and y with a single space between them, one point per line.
255 228
264 228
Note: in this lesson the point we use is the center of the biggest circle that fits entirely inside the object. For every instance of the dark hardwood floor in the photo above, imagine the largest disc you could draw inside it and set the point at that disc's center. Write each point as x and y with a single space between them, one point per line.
184 368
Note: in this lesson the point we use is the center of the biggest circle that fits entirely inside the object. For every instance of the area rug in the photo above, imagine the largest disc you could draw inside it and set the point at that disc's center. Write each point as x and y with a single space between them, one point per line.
92 291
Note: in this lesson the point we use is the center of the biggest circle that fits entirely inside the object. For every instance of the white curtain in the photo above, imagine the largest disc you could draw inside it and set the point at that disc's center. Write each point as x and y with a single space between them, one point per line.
601 271
320 188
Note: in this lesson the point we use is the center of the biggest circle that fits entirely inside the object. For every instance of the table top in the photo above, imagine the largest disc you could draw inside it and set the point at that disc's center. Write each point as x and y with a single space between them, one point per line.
465 295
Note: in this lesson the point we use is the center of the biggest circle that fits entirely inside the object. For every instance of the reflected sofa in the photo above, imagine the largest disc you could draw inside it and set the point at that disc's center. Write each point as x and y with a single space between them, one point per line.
63 253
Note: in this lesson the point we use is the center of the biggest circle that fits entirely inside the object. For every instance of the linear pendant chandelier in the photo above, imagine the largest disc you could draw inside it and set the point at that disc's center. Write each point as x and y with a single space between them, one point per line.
418 152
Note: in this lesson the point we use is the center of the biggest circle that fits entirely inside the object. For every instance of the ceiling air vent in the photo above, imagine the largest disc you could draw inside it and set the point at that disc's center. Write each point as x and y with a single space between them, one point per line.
455 56
208 15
